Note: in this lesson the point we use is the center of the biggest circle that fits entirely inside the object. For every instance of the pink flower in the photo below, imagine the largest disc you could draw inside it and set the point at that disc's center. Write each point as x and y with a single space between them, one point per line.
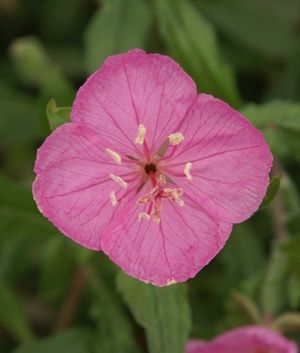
248 339
150 172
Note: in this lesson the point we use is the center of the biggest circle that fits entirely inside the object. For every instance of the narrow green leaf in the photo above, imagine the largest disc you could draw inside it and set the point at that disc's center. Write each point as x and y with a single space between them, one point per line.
273 288
119 25
248 306
55 279
57 116
163 312
191 40
287 322
271 192
76 340
12 315
114 327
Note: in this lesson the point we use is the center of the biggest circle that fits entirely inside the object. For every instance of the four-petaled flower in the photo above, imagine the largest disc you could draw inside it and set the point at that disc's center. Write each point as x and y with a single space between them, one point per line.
149 171
247 339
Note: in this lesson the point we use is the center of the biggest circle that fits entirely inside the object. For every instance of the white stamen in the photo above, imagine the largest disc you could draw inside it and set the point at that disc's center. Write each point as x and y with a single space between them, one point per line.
187 171
143 215
113 198
176 138
119 180
170 281
175 194
156 218
140 137
114 155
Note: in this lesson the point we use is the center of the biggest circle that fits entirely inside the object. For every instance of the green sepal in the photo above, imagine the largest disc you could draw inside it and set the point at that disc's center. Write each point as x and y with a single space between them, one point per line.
57 115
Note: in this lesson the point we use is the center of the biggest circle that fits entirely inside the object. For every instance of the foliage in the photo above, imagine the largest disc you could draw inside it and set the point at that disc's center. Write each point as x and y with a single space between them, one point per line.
57 297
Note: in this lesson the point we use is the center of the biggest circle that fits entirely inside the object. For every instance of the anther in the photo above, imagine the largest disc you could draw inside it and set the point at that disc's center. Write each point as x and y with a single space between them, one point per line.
140 137
119 180
143 215
113 198
174 194
187 171
114 155
176 138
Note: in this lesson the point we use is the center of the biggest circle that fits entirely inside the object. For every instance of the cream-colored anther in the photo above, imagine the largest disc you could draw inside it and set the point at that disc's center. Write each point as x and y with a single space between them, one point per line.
119 180
114 155
174 194
187 171
156 218
140 137
113 198
143 215
176 138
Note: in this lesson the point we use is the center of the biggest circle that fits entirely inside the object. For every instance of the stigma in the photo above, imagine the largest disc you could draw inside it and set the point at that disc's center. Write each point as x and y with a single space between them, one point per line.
153 199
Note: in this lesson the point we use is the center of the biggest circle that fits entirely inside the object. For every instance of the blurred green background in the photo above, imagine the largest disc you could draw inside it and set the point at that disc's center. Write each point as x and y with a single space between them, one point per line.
57 297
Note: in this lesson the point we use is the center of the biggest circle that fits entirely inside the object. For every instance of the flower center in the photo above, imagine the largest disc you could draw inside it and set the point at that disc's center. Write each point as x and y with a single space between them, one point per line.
162 186
150 168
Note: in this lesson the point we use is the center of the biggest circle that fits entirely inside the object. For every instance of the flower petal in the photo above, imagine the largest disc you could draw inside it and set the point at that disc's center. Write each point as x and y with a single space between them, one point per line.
175 249
131 89
73 183
250 339
230 161
196 346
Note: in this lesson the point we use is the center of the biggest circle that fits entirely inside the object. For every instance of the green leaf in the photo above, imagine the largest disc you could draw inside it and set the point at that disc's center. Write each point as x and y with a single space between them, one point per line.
55 279
22 229
271 192
191 40
292 248
114 327
263 26
280 122
273 114
163 312
119 25
12 314
273 291
76 340
57 116
19 122
287 322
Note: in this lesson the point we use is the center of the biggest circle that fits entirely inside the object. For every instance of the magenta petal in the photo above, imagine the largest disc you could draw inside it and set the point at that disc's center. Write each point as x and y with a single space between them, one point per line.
196 346
250 339
175 249
72 187
131 89
230 161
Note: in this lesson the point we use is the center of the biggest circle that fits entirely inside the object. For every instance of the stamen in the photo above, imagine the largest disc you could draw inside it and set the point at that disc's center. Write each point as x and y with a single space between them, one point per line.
114 155
143 215
174 194
140 137
113 198
119 180
156 218
176 138
187 171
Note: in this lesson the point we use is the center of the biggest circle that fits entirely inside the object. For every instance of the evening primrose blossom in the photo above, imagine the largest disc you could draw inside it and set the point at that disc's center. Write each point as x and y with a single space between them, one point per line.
246 339
150 172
